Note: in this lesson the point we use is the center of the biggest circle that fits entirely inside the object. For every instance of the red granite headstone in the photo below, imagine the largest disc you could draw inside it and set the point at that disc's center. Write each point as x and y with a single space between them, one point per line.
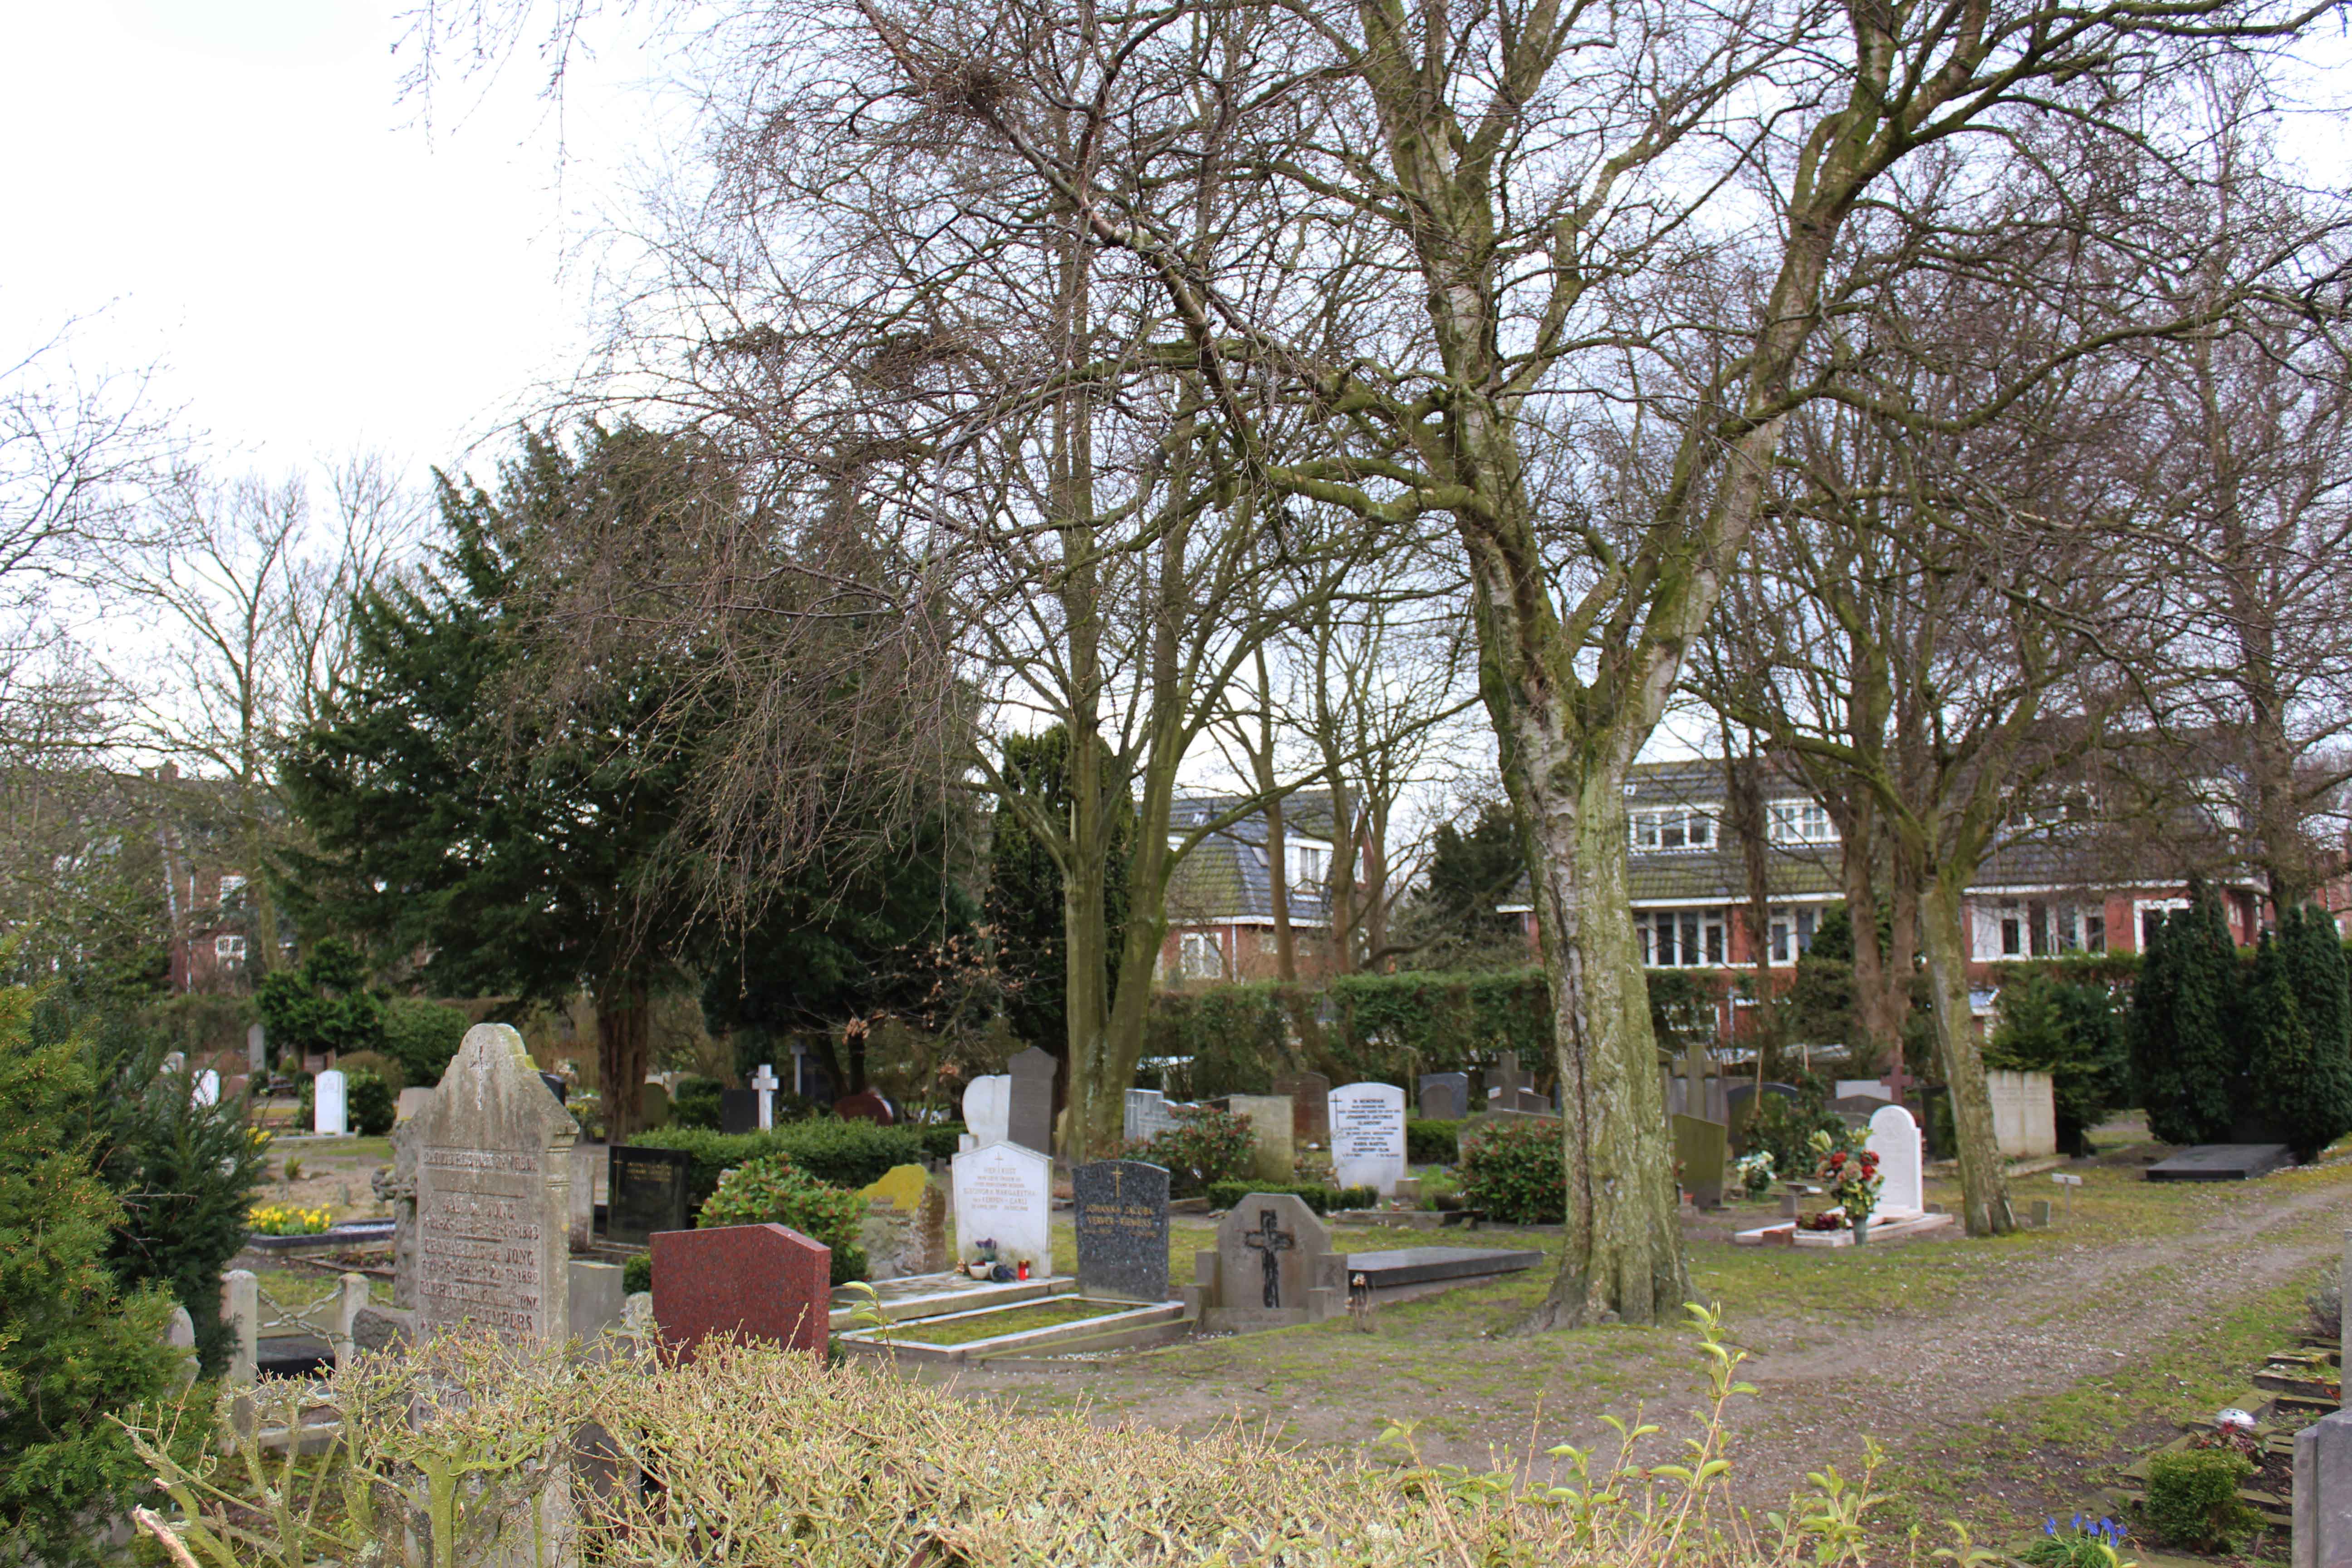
757 1283
865 1105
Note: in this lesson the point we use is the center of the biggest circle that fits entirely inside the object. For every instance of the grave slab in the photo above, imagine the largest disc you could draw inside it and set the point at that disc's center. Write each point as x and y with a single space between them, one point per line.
2222 1163
1405 1265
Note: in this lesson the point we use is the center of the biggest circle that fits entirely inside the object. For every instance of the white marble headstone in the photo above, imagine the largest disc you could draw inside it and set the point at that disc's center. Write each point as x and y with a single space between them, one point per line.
1004 1193
1895 1139
208 1088
1368 1136
988 1110
327 1113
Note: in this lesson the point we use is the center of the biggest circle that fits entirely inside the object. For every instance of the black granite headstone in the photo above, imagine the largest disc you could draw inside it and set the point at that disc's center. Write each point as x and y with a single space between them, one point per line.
1445 1096
647 1190
1120 1212
739 1111
1030 1119
557 1087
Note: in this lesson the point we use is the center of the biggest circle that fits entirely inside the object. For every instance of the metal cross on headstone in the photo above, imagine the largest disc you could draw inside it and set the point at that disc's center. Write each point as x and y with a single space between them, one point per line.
1897 1080
764 1083
1270 1241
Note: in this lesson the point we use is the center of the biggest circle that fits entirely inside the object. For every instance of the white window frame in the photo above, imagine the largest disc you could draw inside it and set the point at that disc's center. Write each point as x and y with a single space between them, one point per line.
1690 827
1804 920
1200 955
1677 933
1306 860
231 885
228 948
1800 820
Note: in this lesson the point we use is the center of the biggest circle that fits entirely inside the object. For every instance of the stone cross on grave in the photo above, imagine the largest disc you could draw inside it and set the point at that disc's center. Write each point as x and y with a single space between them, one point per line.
1896 1080
764 1083
1269 1241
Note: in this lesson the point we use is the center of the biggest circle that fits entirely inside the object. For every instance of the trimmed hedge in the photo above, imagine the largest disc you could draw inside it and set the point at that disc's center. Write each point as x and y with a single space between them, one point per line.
1431 1143
940 1139
1322 1200
1517 1172
836 1152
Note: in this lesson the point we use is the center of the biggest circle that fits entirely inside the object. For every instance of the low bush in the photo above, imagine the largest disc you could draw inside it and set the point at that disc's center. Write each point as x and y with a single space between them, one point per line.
422 1037
1431 1143
1205 1146
1322 1200
1517 1172
838 1153
2192 1498
940 1139
695 1103
370 1105
757 1455
772 1190
1784 1129
637 1273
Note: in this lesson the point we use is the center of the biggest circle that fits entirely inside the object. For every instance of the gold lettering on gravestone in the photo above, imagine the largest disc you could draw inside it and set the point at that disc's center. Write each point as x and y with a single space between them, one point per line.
481 1242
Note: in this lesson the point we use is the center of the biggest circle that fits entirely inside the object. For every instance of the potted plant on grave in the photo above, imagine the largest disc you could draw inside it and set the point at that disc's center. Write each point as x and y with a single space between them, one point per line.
1849 1171
981 1265
1755 1172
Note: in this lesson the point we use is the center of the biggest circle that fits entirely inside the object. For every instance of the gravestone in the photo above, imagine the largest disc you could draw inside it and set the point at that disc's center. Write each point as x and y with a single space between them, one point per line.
1029 1114
1148 1115
557 1086
904 1230
1895 1139
739 1112
1508 1088
1862 1088
1269 1116
1272 1266
329 1114
1857 1110
207 1090
1702 1147
493 1196
865 1105
1004 1194
1310 1101
1445 1096
2025 1113
988 1110
395 1185
653 1106
581 1231
646 1192
257 1049
1368 1136
764 1084
1120 1213
900 1186
760 1284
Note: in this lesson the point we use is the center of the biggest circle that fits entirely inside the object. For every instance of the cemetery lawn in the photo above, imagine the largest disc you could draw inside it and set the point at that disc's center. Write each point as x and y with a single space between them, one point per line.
1017 1320
2006 1380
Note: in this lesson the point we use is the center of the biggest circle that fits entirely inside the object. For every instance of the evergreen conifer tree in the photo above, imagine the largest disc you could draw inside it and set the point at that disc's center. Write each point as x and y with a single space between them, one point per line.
2280 1061
2155 1046
2209 1049
2313 956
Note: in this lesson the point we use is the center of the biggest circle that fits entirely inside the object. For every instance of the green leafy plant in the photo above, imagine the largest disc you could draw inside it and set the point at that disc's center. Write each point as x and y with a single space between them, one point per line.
1321 1199
2072 1029
772 1190
695 1104
2192 1498
841 1153
1517 1171
422 1037
1784 1129
1432 1142
2084 1544
637 1273
1204 1147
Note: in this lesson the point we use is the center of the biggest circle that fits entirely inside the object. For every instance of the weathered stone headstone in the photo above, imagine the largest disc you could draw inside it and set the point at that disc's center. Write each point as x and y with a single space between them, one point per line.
653 1106
1311 1106
328 1109
739 1112
257 1049
558 1086
2025 1113
596 1298
493 1196
1895 1139
180 1333
1368 1136
1029 1118
988 1110
646 1191
904 1230
1004 1194
865 1105
755 1283
1269 1116
900 1186
1445 1096
580 1230
396 1186
1120 1213
1148 1115
2322 1534
764 1084
1701 1148
1272 1266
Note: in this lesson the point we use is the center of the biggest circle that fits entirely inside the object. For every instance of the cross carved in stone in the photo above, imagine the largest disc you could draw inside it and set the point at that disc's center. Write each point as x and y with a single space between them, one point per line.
765 1083
1270 1241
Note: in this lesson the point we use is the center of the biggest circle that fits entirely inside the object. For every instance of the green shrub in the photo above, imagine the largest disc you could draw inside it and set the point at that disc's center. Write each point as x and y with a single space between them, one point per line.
75 1347
2192 1498
772 1190
2309 1103
840 1154
1322 1200
371 1102
1204 1146
1431 1143
422 1037
1784 1129
2073 1030
637 1273
940 1139
694 1103
2187 1055
1517 1171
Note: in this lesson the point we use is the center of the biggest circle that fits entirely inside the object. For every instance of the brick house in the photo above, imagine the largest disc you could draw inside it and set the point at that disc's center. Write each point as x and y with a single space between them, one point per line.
1220 899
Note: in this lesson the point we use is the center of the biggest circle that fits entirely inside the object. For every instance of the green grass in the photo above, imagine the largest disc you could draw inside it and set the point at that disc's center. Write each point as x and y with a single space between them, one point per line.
1010 1320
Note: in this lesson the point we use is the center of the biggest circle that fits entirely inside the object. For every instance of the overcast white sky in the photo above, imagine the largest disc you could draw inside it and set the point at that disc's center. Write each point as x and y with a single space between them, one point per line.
236 189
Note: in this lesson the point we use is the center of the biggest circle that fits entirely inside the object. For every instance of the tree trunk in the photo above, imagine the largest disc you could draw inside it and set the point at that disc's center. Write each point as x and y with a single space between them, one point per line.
1624 1260
1277 873
1984 1185
623 1052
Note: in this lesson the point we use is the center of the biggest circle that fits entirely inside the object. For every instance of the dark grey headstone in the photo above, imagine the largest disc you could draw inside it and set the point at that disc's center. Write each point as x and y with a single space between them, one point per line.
1120 1213
557 1087
646 1191
378 1329
739 1111
1030 1121
2222 1163
1445 1096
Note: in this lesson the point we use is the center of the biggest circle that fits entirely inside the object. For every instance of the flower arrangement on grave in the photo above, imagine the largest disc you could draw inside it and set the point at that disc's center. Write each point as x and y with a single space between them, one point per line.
288 1219
2086 1543
981 1264
1849 1171
1755 1172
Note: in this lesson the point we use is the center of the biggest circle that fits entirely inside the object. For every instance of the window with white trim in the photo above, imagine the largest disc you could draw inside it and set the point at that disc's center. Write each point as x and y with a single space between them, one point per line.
1800 822
228 949
1674 827
1203 955
230 886
1309 861
1792 933
1679 939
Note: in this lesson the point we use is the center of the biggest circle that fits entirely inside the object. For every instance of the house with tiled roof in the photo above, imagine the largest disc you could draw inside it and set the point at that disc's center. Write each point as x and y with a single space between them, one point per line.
1221 915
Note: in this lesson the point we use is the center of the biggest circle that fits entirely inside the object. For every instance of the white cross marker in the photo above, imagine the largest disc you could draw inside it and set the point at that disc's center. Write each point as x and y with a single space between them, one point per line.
765 1082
